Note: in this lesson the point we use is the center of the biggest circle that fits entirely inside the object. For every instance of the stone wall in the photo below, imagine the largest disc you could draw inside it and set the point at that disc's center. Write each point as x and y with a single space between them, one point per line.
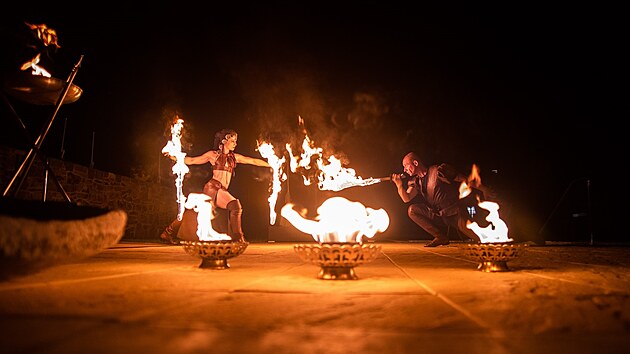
149 206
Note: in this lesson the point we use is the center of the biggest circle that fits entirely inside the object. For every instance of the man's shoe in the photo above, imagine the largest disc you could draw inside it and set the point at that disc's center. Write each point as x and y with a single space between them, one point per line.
437 242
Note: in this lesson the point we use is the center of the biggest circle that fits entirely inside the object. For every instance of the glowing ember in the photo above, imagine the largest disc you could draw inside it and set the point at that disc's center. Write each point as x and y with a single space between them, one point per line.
266 150
339 220
174 148
497 230
200 203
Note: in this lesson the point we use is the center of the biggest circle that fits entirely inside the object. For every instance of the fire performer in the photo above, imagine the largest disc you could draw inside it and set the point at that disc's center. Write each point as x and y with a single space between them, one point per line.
433 197
223 160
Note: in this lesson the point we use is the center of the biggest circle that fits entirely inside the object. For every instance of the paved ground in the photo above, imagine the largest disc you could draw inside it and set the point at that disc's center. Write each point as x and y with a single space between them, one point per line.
152 298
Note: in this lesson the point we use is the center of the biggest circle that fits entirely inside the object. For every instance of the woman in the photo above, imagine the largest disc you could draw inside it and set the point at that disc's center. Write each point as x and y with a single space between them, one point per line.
223 160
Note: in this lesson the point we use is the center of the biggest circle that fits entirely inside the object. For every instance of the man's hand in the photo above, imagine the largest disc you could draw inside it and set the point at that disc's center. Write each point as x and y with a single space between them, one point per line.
397 179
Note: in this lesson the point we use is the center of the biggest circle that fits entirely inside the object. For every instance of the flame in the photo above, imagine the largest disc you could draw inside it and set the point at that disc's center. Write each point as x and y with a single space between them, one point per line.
47 36
497 230
174 148
331 174
266 150
37 70
334 177
200 203
339 220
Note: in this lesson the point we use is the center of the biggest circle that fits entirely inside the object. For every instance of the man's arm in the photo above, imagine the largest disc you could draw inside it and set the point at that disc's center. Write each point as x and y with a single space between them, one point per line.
405 194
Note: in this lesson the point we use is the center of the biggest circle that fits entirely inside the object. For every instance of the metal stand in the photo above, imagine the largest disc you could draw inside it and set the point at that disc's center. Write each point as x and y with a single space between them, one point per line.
588 206
24 168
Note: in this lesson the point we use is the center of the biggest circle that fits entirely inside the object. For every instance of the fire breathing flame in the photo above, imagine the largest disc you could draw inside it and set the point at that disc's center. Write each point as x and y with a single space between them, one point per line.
266 150
200 203
334 177
331 174
174 148
497 230
339 220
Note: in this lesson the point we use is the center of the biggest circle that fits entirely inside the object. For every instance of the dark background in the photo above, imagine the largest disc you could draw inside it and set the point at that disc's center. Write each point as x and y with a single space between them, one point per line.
529 92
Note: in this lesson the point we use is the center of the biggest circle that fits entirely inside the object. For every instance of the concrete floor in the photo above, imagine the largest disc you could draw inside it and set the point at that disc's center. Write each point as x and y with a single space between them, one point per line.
153 298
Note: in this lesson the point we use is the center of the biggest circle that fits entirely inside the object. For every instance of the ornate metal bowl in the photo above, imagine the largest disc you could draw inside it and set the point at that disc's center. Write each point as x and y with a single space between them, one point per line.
337 259
214 254
493 257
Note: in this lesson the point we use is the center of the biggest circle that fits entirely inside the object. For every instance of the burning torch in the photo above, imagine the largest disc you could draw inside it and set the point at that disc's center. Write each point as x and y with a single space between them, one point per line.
389 178
173 148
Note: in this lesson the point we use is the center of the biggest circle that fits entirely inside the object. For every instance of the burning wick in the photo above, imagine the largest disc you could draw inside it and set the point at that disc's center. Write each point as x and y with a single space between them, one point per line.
174 148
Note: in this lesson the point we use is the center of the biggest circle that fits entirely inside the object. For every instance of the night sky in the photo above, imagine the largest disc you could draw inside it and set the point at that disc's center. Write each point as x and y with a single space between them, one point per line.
523 91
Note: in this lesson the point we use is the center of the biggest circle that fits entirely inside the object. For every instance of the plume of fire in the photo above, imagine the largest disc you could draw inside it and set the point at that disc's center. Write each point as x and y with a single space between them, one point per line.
339 220
497 229
173 148
331 174
200 203
267 151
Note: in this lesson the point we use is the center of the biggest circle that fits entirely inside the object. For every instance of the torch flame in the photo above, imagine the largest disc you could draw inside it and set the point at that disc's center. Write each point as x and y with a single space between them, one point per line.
266 151
339 220
174 148
200 203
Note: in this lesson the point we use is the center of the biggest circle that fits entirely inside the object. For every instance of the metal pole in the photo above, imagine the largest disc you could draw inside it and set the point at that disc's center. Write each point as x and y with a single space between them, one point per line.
92 153
28 160
590 216
45 185
63 137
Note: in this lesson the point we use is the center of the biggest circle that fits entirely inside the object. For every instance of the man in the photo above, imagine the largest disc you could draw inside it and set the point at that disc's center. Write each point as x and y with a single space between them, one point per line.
433 197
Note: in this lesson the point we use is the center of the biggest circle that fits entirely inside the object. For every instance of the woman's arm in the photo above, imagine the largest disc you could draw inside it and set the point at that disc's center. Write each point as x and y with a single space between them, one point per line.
251 160
210 156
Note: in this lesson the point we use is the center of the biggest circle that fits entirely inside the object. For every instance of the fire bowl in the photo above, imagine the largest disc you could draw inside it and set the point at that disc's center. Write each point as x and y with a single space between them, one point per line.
493 257
337 259
35 235
214 254
40 90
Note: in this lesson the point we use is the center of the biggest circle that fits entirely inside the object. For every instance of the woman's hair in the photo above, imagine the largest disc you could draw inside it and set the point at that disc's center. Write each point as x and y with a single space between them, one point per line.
222 135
